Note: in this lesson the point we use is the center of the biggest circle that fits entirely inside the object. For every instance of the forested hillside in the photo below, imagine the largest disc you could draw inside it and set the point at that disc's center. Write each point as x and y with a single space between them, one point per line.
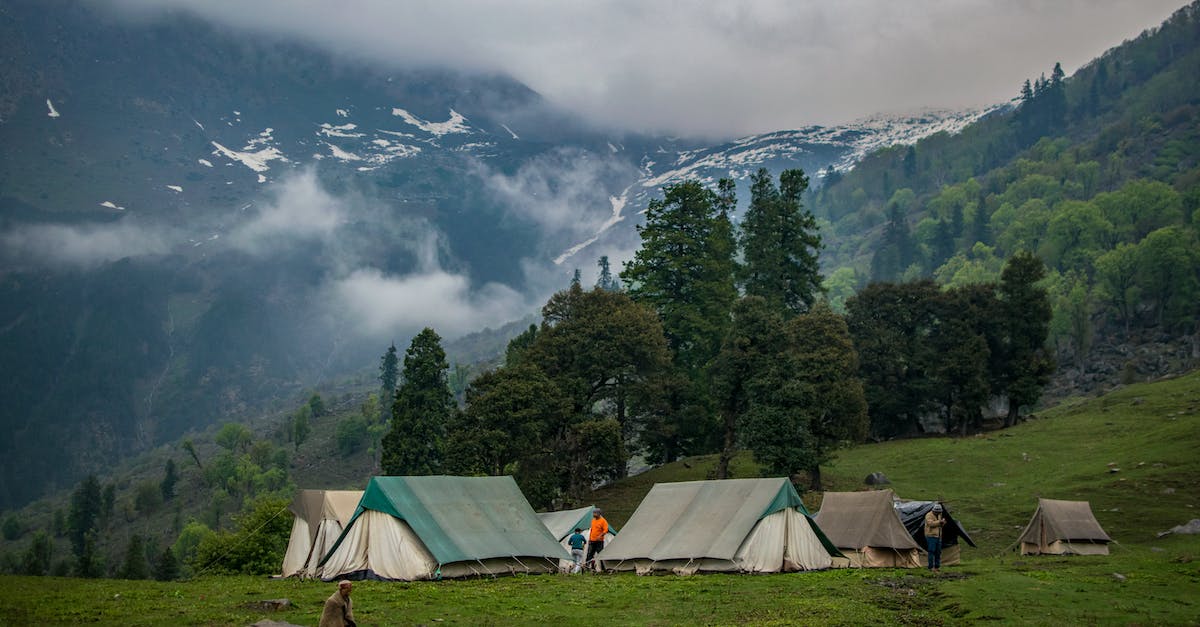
1097 173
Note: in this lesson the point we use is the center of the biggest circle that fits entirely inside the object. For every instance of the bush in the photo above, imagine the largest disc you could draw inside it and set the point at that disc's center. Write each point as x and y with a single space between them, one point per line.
351 434
38 556
12 528
147 497
256 548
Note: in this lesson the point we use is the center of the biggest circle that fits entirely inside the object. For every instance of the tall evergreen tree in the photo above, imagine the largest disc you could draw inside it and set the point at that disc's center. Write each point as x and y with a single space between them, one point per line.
606 280
780 244
684 271
1026 313
170 478
389 376
135 566
85 513
421 411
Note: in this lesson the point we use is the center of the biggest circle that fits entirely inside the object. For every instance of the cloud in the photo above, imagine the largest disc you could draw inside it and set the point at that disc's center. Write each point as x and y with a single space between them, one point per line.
301 210
378 303
81 246
715 68
564 192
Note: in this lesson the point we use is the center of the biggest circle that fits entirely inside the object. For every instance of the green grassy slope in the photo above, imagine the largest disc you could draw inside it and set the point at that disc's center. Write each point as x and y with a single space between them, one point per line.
993 480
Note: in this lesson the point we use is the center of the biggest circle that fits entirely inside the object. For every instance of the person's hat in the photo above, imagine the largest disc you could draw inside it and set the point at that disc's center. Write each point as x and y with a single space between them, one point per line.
578 529
937 507
596 512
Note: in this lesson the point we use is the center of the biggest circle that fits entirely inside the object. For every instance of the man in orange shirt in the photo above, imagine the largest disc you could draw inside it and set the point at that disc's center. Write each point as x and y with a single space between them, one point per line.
596 538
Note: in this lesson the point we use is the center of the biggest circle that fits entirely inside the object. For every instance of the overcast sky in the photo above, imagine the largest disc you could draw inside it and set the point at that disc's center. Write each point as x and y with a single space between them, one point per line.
717 68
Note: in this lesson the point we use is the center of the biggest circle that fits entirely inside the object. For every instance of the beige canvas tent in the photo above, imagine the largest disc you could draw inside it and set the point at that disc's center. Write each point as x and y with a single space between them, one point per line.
746 525
867 530
1064 528
563 523
408 528
319 516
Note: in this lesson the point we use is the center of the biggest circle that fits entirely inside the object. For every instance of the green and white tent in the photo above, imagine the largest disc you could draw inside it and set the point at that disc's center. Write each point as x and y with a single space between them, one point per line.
738 525
408 528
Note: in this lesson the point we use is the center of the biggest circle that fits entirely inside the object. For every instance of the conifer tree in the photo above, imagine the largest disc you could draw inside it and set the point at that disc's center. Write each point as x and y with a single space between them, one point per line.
421 411
606 280
780 244
684 271
170 478
134 566
389 375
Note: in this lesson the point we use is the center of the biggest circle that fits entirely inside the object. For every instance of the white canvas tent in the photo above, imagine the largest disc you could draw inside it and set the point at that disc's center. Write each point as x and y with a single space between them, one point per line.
867 530
563 523
734 525
408 528
319 516
1064 528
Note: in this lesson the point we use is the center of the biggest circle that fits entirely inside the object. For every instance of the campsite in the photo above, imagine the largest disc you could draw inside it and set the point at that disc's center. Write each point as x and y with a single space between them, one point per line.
1144 579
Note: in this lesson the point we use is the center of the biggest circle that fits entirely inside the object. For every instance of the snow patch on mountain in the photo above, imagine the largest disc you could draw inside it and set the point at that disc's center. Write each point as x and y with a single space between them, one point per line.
618 206
175 188
341 130
342 155
112 205
205 162
456 124
53 112
256 154
510 132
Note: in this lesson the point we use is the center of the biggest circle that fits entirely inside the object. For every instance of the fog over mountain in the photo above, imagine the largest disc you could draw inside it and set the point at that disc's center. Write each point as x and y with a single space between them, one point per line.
714 69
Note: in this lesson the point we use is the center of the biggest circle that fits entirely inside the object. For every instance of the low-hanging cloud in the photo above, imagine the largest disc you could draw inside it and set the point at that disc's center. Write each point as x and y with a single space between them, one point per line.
81 246
563 192
379 303
301 209
716 68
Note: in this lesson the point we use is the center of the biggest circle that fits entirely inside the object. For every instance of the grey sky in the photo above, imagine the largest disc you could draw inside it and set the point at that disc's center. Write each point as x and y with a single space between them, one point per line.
717 68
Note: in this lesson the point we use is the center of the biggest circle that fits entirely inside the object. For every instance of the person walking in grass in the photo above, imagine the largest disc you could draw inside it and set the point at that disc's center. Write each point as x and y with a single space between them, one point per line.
337 612
934 522
596 537
577 542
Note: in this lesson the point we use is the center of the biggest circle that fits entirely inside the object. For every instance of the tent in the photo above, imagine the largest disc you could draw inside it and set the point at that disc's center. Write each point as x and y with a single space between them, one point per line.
319 516
912 514
867 529
562 524
408 528
747 525
1064 528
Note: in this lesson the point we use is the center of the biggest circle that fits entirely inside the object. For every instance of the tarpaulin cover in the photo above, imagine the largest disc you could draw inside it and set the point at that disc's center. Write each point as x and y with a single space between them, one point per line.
462 518
912 514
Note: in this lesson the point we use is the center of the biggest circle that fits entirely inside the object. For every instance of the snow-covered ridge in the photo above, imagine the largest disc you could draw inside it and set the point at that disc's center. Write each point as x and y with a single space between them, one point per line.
256 154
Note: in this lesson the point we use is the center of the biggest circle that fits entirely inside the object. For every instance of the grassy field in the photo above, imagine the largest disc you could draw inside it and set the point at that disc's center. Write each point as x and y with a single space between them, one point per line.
1150 431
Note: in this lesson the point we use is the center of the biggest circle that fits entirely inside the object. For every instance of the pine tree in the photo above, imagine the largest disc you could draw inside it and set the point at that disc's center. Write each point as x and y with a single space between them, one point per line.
684 271
166 567
170 478
1025 311
607 281
134 566
780 244
37 558
576 277
421 411
84 516
389 375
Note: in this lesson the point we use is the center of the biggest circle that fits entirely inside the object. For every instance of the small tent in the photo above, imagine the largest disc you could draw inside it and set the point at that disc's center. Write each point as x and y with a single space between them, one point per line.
912 514
1064 528
319 517
408 528
867 529
747 525
562 524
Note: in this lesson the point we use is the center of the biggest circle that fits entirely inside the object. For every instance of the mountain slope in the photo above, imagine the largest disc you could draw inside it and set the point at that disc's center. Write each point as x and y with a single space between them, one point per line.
198 224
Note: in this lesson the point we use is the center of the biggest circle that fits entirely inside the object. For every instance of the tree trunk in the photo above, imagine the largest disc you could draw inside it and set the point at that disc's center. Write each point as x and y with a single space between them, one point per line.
1011 417
814 479
727 449
623 471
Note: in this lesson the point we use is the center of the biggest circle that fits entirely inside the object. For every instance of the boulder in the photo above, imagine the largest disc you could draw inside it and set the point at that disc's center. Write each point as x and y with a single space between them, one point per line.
877 478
